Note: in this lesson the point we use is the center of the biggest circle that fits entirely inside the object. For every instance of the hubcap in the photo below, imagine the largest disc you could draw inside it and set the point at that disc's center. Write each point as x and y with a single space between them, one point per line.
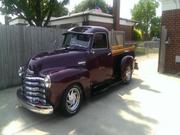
128 73
73 99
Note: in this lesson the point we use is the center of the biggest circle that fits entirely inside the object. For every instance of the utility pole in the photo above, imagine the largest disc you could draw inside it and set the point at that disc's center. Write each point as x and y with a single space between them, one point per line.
116 14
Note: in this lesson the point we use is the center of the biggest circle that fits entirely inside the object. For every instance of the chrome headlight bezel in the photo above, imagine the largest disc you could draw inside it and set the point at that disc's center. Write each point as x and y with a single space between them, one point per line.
47 81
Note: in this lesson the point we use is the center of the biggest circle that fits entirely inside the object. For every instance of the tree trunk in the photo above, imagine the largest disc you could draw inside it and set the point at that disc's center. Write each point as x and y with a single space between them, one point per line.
38 19
48 18
50 12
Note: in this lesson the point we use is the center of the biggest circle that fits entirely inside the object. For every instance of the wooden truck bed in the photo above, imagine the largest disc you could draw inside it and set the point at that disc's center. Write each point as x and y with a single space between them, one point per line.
118 44
119 49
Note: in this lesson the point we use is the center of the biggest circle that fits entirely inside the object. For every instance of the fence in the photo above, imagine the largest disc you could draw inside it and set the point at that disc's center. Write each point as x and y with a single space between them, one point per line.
18 44
147 47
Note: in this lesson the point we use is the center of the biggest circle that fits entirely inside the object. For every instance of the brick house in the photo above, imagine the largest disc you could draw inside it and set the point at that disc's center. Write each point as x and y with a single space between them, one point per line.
169 56
91 17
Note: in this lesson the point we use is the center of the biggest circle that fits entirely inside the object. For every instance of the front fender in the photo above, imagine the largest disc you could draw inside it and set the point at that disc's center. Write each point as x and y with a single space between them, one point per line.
62 79
69 74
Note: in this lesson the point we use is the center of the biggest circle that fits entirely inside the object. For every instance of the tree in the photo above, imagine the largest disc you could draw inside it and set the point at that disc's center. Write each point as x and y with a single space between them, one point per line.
155 27
36 12
137 35
144 11
60 10
93 4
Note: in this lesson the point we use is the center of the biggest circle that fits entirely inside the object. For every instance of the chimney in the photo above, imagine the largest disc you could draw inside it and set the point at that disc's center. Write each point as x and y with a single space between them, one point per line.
116 14
7 19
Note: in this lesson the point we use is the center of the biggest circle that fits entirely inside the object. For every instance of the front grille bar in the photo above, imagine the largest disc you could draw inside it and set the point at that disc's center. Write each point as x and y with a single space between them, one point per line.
33 88
34 84
35 94
35 79
35 99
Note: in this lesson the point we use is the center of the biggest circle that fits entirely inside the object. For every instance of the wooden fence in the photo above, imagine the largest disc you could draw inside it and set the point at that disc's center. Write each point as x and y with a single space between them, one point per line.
18 44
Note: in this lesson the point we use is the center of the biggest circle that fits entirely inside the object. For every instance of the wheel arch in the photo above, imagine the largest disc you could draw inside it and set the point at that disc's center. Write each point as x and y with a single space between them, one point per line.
64 79
127 60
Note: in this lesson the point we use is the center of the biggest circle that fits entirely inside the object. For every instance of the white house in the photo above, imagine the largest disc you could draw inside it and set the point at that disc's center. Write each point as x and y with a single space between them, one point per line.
170 4
91 17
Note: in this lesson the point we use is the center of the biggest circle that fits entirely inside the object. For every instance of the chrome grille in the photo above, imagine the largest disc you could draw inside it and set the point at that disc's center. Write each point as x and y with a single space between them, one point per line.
33 88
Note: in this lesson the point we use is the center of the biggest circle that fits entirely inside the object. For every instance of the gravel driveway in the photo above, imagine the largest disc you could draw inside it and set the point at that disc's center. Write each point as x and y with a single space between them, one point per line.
149 105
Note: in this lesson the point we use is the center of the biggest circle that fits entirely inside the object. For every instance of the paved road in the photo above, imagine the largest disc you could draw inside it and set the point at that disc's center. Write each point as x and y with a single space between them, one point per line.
147 106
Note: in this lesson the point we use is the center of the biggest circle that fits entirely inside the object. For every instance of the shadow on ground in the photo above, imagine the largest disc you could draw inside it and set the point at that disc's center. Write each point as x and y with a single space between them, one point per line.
105 113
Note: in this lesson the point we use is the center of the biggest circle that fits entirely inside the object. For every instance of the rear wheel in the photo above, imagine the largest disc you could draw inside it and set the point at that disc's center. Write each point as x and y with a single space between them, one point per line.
127 74
71 100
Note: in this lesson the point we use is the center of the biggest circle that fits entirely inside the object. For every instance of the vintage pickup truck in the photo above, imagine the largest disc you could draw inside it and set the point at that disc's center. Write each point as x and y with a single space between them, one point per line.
61 79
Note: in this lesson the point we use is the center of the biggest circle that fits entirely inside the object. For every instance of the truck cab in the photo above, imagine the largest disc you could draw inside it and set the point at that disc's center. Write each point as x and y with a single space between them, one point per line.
63 78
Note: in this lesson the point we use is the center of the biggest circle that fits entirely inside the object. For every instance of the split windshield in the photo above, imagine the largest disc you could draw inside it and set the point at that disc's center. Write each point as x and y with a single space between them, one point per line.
74 39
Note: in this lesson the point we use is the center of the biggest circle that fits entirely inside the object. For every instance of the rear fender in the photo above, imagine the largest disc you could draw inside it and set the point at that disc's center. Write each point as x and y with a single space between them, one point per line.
127 60
62 79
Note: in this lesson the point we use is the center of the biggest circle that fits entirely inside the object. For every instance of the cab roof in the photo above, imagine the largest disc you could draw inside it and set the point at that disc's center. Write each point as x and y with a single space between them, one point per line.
87 29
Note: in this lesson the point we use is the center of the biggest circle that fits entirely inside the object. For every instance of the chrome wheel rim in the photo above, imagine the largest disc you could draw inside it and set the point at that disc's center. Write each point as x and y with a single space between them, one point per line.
73 99
128 73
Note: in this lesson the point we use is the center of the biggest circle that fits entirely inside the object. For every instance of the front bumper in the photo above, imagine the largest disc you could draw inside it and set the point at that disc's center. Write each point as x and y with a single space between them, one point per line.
48 109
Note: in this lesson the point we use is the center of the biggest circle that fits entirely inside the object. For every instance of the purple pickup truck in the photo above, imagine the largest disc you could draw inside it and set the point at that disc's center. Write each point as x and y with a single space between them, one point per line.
63 78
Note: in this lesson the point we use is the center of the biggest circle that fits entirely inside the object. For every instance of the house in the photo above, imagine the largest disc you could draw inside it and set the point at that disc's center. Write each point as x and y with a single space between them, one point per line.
169 55
91 17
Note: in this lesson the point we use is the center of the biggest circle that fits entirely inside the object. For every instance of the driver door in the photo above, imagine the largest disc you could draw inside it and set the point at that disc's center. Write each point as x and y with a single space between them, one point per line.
100 61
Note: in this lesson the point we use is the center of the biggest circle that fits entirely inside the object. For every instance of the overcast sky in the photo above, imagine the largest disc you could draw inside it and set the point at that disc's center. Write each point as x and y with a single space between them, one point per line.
125 11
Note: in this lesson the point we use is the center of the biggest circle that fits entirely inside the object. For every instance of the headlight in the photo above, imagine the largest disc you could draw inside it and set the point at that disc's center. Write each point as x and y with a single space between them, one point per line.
47 81
21 71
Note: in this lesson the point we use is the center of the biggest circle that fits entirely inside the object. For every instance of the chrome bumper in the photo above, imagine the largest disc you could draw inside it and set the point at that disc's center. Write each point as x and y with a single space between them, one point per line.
32 107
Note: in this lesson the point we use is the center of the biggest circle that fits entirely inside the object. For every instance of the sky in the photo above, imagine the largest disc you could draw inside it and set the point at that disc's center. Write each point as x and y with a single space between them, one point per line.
125 10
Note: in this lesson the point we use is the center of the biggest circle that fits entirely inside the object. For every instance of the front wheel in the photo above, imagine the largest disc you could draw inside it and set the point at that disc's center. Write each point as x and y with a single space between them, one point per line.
71 100
127 74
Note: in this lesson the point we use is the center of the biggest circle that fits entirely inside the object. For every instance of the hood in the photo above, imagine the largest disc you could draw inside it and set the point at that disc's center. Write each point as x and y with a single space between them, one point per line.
49 62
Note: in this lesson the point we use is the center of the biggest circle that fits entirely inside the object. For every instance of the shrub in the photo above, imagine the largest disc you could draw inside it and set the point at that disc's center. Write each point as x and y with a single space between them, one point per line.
137 35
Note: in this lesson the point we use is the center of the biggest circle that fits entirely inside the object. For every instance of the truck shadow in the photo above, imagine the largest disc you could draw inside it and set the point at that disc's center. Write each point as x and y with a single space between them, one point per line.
105 113
120 90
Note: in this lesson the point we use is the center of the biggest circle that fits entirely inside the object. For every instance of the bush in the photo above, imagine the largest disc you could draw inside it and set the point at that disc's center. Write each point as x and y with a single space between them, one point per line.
137 35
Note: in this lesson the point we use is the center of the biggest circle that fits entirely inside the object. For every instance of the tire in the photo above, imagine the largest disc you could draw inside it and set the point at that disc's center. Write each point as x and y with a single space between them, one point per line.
71 100
126 76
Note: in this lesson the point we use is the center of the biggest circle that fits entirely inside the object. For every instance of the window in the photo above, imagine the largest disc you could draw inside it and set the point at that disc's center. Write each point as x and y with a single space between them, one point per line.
73 39
100 41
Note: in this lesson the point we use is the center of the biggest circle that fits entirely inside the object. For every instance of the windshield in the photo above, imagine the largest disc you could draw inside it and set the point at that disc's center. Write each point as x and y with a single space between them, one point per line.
74 39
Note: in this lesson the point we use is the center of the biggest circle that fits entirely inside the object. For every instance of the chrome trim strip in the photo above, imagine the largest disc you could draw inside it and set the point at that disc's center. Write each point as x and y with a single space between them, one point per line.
82 63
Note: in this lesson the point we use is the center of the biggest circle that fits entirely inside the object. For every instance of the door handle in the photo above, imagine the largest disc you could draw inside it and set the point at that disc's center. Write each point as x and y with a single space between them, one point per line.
109 54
